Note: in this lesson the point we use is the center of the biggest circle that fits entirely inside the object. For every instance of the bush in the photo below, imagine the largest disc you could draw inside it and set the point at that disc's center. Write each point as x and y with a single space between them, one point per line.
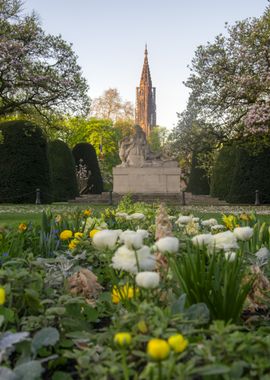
24 164
85 153
222 176
63 171
198 182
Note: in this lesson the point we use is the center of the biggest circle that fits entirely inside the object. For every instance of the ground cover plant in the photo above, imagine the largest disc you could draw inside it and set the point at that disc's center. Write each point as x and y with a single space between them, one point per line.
135 291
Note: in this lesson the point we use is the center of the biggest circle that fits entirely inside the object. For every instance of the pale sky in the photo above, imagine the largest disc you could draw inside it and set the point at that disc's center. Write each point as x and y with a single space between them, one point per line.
109 38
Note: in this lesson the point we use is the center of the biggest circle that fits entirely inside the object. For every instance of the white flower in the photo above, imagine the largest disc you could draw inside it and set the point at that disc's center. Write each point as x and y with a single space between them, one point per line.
230 256
201 240
209 222
121 215
144 233
184 219
262 255
106 238
172 217
223 240
167 244
218 227
125 259
148 280
132 239
136 216
195 220
243 233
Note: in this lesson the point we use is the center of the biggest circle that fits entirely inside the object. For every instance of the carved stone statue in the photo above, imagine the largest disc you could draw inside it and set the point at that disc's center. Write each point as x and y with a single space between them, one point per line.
135 151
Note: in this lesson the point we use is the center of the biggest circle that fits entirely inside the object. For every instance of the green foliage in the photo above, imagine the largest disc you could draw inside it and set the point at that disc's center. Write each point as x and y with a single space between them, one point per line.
198 181
24 165
63 171
85 153
213 280
157 139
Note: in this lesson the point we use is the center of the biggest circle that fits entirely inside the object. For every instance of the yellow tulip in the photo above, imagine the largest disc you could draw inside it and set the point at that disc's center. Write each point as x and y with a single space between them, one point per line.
158 349
123 339
178 343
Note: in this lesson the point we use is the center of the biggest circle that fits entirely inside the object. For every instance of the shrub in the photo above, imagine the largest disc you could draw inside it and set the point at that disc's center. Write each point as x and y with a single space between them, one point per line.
63 171
24 164
198 181
85 153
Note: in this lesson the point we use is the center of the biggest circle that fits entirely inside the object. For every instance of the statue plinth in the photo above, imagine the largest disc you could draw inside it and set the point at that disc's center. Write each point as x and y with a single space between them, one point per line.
143 171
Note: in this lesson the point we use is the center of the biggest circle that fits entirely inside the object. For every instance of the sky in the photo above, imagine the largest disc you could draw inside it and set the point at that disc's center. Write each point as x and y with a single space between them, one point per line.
109 36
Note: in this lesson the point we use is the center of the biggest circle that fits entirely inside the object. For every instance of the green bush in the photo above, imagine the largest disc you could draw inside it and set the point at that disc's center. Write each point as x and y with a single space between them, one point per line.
85 153
198 182
222 177
63 171
24 164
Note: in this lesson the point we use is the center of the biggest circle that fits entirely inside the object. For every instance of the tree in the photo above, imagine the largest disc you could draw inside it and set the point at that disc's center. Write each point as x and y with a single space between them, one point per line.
110 106
230 81
38 72
158 138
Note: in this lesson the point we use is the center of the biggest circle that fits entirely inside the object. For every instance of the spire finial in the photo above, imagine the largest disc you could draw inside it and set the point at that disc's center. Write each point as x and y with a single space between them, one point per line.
145 50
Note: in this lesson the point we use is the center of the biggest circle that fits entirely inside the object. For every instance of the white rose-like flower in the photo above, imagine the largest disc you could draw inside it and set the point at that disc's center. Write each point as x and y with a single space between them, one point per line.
167 244
195 220
121 215
125 259
184 219
230 256
218 227
144 233
106 238
147 280
223 241
136 216
209 222
201 240
147 261
243 233
132 239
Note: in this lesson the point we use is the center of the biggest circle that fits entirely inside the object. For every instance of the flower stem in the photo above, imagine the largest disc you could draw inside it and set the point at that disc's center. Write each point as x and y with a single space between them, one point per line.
124 364
160 370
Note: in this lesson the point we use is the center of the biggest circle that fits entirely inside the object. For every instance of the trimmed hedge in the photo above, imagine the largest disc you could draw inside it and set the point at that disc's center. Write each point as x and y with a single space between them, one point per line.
24 164
86 152
63 171
198 182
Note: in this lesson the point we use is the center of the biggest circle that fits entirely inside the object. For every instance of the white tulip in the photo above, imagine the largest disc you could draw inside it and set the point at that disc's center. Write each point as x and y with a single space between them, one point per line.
132 239
167 244
223 241
106 238
184 219
201 240
243 233
148 280
209 222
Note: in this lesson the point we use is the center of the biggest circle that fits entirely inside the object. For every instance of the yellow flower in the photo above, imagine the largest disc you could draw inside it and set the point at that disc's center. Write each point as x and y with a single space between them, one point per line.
87 212
123 339
142 326
22 227
66 234
178 343
229 221
58 218
244 217
78 235
158 349
2 296
92 233
73 244
123 293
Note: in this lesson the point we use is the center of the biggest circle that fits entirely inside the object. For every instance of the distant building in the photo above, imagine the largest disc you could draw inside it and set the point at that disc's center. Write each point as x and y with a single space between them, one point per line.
145 114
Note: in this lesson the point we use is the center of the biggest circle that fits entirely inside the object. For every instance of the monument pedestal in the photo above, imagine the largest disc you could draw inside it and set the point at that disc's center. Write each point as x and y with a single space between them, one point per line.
147 179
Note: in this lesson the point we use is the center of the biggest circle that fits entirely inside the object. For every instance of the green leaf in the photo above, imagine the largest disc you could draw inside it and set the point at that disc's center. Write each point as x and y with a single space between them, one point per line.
179 305
48 336
29 371
7 374
211 369
59 375
198 312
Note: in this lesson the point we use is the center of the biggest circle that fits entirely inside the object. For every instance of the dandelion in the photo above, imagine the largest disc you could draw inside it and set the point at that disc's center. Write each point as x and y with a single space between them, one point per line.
178 343
22 227
122 339
158 349
148 280
65 235
2 296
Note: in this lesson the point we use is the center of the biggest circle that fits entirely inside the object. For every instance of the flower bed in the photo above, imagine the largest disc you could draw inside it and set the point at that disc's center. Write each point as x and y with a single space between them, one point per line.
139 292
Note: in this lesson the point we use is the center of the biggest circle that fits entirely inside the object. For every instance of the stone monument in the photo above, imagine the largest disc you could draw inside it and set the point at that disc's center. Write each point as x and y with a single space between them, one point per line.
143 171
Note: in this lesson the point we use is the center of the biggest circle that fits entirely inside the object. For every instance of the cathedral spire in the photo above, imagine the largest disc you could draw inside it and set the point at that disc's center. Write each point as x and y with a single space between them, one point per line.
146 99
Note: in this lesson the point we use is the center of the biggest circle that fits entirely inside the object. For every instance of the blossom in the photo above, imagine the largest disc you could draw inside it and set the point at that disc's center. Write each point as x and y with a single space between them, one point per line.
123 215
2 296
147 280
195 220
58 218
22 227
132 239
123 339
87 212
78 235
105 238
167 244
128 260
230 221
136 216
93 232
218 227
178 343
243 233
201 240
66 234
144 233
209 222
184 219
158 349
223 241
192 228
73 244
124 292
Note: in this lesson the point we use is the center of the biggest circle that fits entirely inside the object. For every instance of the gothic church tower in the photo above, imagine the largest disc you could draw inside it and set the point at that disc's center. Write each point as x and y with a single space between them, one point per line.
145 114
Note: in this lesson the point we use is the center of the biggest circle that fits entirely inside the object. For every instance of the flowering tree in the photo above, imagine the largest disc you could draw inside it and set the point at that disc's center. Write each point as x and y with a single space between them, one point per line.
38 72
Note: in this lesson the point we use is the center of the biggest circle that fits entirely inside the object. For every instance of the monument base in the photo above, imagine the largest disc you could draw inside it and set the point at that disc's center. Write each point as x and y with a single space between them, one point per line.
147 180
